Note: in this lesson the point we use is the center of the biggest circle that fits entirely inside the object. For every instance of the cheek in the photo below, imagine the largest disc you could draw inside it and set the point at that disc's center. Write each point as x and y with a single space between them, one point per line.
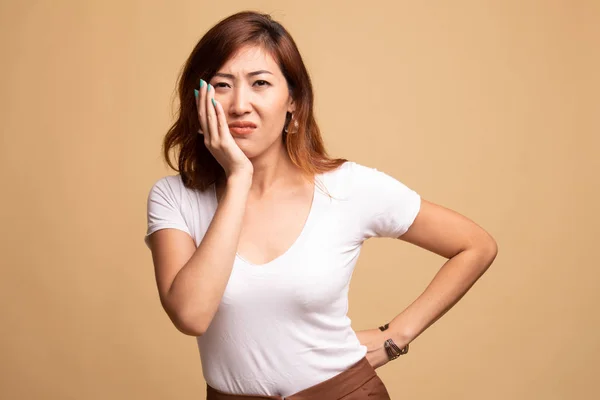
274 115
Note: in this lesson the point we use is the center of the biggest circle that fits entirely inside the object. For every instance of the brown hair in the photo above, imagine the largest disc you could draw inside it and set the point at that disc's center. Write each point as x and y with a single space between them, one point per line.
197 166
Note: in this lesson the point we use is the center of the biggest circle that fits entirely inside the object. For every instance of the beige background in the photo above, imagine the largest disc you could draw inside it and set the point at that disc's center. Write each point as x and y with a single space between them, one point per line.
487 107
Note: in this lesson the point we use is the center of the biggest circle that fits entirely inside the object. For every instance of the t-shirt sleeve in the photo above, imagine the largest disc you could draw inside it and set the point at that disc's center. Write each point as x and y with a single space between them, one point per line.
163 208
386 206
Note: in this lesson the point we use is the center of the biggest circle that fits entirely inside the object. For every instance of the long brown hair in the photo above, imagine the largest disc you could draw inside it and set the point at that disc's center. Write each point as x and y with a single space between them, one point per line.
197 166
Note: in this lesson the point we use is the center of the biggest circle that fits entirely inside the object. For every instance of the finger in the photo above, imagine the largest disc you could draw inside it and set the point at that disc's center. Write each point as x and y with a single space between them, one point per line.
211 116
196 95
202 110
222 121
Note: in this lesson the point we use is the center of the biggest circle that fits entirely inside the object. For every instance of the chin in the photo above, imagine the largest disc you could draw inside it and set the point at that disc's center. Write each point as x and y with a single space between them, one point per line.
247 149
255 148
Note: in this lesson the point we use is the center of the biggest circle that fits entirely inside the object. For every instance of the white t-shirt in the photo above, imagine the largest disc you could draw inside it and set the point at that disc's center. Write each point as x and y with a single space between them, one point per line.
282 327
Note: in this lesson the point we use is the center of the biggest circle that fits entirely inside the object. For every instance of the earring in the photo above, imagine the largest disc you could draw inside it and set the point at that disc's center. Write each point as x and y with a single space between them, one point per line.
296 126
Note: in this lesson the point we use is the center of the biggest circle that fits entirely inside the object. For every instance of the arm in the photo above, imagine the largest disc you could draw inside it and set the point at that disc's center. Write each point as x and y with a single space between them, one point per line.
191 281
470 250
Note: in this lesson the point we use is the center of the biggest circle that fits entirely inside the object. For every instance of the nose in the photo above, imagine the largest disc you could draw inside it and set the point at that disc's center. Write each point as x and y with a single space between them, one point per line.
240 102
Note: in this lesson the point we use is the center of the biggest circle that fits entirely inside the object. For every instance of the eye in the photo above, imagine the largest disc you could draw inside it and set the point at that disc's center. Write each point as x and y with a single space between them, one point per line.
265 83
221 84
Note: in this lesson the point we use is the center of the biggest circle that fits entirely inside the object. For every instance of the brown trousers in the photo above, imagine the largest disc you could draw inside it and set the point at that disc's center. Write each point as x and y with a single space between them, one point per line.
359 382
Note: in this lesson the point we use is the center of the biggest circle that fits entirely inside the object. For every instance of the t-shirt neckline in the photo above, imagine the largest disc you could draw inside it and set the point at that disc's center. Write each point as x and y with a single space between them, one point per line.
308 224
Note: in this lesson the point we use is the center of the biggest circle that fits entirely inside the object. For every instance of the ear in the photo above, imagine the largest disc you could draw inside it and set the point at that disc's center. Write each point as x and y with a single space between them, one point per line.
291 105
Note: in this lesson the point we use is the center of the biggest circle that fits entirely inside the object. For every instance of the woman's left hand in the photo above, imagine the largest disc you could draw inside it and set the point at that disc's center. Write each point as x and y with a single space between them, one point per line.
374 340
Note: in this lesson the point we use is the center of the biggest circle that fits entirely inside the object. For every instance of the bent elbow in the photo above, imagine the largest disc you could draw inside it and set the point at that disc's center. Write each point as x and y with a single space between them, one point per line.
184 321
489 249
189 330
188 326
493 248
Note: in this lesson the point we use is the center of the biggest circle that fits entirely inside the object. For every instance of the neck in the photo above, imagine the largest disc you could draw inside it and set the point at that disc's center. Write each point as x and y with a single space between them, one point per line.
273 169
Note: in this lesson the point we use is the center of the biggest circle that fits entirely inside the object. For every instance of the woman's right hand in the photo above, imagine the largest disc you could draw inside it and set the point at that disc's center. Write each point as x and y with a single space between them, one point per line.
217 138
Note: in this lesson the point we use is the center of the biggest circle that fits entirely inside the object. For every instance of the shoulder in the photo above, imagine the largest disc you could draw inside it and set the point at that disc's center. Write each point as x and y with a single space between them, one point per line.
166 187
168 182
172 189
362 181
350 173
343 182
343 171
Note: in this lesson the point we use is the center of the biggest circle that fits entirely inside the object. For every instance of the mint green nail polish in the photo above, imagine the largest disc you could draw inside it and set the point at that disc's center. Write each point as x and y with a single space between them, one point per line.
196 93
214 103
201 83
209 87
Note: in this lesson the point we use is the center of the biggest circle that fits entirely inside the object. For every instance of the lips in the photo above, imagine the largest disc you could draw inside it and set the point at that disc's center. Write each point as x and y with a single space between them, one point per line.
242 127
242 124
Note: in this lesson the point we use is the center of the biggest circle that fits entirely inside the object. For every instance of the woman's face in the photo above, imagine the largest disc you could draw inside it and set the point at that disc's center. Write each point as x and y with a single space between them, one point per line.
252 88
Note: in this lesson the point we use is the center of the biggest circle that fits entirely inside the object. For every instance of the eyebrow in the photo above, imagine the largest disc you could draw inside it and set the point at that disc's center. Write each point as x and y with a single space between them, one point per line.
262 71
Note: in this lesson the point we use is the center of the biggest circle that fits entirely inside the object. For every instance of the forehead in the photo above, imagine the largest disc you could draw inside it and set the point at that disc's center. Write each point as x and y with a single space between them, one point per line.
250 58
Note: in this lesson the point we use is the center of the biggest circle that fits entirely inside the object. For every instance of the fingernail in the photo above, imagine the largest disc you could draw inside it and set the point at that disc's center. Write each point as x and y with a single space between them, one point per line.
214 103
196 93
209 87
201 83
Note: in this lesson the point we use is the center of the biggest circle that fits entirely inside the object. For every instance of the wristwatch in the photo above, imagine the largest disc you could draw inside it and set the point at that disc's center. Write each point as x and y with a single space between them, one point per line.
392 350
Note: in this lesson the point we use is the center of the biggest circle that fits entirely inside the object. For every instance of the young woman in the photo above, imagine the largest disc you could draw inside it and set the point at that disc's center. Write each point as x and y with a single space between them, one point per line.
255 240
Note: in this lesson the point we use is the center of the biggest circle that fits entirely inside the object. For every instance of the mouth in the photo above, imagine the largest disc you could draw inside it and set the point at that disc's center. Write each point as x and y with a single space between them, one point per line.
241 131
242 127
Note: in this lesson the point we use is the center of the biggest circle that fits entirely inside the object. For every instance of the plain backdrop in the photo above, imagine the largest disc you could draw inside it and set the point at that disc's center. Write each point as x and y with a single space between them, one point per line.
490 108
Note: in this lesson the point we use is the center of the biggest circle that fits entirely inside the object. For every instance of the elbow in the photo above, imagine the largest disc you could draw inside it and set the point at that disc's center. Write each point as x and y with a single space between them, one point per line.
191 323
483 248
492 248
488 249
188 327
189 330
186 322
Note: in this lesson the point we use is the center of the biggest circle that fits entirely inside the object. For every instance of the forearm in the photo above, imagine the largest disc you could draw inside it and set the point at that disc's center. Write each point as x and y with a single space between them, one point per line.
199 286
448 286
